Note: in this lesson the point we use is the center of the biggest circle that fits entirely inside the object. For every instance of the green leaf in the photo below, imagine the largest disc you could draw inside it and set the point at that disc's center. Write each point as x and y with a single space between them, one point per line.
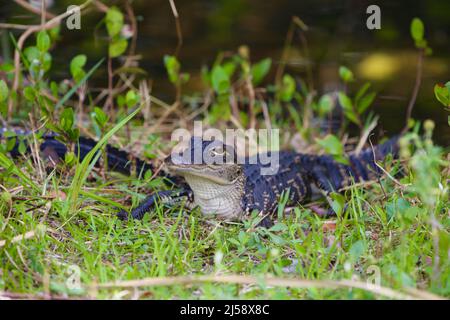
67 119
173 68
69 158
345 101
131 98
114 21
11 143
229 67
32 53
75 88
77 64
338 203
43 41
22 147
260 70
54 88
4 91
46 61
331 144
100 117
220 80
365 102
346 74
442 93
362 91
117 47
287 89
29 93
325 104
417 30
347 106
357 249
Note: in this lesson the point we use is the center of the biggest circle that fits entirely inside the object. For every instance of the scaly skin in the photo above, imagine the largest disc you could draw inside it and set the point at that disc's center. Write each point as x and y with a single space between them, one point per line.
230 190
234 197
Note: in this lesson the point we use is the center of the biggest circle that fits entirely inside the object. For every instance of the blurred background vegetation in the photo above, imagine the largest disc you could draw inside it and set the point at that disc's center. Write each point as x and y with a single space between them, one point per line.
337 36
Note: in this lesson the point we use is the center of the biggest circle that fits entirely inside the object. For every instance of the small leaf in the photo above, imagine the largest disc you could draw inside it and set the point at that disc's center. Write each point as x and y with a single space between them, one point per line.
29 93
67 119
347 106
338 203
43 41
417 29
173 68
77 64
345 101
22 147
365 102
46 61
114 21
362 91
346 74
11 143
260 70
117 47
229 67
100 117
131 98
4 91
220 80
325 105
331 144
287 89
31 53
357 249
442 94
70 158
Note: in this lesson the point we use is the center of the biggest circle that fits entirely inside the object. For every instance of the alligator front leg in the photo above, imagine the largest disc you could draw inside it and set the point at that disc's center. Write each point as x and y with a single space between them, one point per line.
166 197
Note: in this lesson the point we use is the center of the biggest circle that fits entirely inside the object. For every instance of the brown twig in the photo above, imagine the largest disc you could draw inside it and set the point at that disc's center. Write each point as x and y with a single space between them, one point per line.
32 9
412 101
365 135
43 12
296 21
251 97
177 26
268 281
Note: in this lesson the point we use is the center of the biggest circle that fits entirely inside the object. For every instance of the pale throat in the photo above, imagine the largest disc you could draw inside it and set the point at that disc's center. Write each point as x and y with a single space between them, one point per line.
216 199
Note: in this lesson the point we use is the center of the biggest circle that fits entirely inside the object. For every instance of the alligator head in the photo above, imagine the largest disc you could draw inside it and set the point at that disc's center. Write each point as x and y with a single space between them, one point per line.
213 173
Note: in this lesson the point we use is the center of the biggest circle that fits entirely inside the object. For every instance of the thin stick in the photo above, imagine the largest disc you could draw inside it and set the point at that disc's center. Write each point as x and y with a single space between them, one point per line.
32 9
177 26
43 11
251 96
365 135
412 101
14 26
268 281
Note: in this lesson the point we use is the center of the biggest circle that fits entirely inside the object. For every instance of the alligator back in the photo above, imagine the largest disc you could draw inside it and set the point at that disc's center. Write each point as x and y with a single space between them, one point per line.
305 176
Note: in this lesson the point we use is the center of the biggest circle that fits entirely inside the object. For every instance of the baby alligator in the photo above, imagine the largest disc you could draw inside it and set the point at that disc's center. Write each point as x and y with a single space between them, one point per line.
232 190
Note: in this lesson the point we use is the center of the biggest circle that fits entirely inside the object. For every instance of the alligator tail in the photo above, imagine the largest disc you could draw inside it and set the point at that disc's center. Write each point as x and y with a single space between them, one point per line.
364 164
118 160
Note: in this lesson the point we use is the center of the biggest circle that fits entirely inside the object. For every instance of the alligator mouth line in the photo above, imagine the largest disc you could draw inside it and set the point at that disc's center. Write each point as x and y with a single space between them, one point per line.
198 172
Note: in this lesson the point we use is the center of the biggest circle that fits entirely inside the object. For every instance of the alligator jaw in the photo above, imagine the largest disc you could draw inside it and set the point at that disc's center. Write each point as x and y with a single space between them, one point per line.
200 171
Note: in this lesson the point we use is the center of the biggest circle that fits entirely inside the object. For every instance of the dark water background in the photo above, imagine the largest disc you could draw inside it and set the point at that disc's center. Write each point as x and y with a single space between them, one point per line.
337 35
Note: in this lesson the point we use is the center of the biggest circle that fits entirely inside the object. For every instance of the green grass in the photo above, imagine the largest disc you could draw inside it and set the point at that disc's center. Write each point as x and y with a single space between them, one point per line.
383 232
